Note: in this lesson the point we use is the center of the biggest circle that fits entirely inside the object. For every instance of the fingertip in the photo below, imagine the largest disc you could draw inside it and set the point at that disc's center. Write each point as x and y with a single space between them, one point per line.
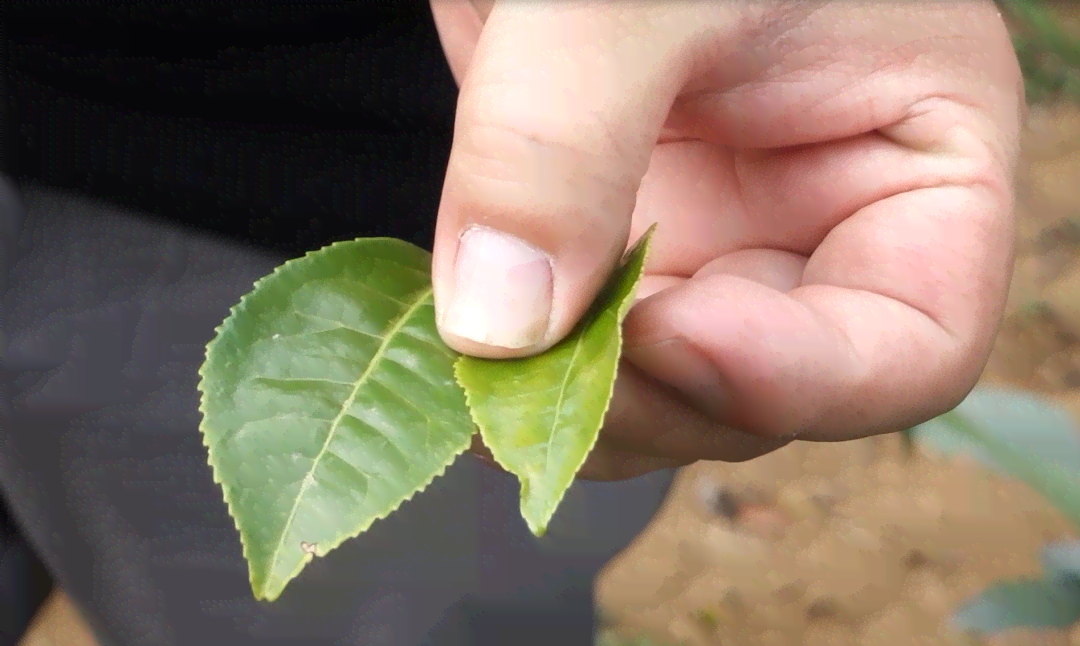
502 294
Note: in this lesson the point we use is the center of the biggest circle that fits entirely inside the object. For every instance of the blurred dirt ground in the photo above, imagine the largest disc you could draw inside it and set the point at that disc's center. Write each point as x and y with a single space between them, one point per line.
853 543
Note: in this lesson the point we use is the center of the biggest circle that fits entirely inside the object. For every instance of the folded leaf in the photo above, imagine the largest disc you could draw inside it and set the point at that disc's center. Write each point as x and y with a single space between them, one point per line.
328 399
540 416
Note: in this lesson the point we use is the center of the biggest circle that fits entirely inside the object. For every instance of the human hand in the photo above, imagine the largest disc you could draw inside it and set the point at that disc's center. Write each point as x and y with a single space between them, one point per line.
833 183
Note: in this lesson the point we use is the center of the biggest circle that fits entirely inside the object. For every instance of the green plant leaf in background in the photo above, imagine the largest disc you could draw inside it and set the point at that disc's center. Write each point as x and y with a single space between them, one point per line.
328 399
540 416
1061 560
1018 434
1053 602
1026 437
1028 603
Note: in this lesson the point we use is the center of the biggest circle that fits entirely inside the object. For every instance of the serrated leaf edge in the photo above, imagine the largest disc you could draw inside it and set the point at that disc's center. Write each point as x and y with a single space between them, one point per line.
265 593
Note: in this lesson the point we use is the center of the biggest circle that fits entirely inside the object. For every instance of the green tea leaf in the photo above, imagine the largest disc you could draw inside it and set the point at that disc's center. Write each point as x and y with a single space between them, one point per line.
328 399
541 415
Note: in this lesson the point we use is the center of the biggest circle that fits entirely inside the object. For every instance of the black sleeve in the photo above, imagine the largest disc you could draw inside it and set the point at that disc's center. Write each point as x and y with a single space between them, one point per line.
286 125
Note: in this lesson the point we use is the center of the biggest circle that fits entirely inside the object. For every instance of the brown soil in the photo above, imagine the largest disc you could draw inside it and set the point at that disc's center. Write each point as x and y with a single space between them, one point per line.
853 543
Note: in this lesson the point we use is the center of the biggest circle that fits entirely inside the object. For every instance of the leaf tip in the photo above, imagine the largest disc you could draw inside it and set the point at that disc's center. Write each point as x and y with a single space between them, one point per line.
538 528
538 510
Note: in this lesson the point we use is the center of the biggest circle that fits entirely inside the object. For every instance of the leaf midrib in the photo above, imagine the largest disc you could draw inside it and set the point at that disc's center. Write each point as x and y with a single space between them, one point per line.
346 405
560 401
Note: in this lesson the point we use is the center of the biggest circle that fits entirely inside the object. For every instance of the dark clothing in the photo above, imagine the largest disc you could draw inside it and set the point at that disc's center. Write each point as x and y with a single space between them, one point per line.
286 125
169 154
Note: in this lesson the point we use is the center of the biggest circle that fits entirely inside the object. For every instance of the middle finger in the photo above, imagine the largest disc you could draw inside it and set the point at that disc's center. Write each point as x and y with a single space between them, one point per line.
711 201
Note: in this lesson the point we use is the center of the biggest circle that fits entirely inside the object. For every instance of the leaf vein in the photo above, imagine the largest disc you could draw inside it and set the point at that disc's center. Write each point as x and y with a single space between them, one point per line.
559 403
232 434
405 400
300 380
375 359
431 343
388 297
339 324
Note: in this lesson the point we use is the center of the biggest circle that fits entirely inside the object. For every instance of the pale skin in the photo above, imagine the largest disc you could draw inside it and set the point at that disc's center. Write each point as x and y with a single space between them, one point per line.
833 185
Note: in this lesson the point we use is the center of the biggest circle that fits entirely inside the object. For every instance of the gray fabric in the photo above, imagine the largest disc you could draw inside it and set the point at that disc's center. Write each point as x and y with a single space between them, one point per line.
107 314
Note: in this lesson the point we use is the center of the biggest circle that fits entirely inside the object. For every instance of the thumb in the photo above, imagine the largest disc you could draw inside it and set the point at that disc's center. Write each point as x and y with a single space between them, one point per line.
557 117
